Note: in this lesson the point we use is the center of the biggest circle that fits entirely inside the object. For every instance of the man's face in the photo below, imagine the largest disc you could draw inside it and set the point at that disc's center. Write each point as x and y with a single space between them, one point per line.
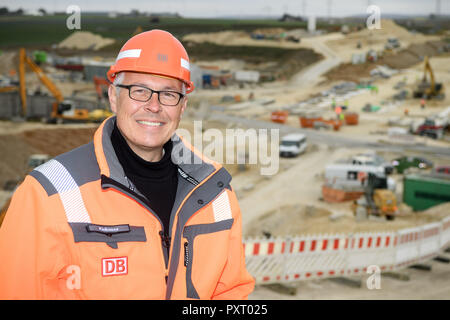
146 126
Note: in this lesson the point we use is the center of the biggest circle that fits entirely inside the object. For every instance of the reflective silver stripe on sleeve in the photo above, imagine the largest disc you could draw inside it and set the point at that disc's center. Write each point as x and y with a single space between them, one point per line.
221 207
67 189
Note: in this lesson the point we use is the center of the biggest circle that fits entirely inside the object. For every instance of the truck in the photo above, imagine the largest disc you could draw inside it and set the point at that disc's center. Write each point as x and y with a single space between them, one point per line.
430 127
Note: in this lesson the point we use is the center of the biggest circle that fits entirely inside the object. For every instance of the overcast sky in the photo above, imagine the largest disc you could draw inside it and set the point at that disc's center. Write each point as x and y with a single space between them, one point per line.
214 8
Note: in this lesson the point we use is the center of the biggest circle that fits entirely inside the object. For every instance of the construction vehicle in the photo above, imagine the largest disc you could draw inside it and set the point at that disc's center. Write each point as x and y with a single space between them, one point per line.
345 181
430 127
62 110
60 106
292 145
392 43
377 200
34 161
101 87
431 89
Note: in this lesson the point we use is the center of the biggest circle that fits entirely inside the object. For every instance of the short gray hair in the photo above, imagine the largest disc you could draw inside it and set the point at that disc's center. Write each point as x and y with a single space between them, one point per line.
117 81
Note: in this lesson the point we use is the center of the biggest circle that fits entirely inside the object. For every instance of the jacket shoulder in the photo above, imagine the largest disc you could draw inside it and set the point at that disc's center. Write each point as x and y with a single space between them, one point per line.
78 165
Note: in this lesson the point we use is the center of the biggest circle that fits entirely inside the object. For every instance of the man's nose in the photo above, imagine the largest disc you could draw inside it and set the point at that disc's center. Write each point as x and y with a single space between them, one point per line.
153 104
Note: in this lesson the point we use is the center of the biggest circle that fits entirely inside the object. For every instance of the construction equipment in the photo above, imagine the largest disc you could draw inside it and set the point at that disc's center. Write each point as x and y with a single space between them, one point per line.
431 89
34 161
377 199
392 43
62 110
101 87
60 106
430 127
347 181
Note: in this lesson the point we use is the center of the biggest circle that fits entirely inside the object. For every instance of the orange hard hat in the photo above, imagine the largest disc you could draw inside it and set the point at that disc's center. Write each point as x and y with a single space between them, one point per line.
157 52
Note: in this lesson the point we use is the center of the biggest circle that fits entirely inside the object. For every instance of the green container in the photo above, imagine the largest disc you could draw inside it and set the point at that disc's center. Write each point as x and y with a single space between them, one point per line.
421 192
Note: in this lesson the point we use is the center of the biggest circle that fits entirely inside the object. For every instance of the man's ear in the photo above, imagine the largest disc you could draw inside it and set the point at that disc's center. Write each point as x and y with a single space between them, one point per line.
112 98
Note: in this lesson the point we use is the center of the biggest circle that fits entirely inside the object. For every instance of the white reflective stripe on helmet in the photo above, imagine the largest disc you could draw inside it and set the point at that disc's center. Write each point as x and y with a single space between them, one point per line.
221 207
134 53
185 64
67 189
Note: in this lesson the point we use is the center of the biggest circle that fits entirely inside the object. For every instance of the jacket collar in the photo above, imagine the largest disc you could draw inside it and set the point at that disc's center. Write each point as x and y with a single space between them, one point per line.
184 155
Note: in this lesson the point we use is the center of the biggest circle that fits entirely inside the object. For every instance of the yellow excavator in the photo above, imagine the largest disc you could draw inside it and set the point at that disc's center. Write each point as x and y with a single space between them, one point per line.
377 200
62 110
429 89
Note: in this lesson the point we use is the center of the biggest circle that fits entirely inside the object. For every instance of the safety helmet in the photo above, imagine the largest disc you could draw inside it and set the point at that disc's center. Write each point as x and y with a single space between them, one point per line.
157 52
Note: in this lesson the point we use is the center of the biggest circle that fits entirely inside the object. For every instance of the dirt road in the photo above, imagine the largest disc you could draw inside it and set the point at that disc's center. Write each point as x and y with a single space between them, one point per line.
422 285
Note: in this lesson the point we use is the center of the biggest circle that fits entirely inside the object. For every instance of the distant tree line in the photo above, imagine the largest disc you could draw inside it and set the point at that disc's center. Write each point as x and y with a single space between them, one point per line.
4 11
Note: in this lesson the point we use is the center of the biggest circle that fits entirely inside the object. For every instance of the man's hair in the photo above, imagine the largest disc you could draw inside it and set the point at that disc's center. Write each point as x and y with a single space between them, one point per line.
119 78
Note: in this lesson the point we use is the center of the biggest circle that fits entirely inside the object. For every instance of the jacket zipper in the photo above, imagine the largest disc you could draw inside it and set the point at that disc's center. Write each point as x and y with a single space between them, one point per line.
165 239
186 253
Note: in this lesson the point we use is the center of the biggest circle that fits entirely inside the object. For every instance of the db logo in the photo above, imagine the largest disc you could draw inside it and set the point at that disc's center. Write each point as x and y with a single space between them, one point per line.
114 266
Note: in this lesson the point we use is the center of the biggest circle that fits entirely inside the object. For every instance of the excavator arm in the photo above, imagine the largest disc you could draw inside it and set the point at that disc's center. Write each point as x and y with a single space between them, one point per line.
23 59
429 70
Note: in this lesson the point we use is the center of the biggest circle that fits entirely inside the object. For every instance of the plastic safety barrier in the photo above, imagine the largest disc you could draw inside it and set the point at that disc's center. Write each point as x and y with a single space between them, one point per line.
285 259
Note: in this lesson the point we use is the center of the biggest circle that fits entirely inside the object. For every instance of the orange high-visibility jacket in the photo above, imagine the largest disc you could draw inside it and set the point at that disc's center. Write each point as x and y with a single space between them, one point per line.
77 229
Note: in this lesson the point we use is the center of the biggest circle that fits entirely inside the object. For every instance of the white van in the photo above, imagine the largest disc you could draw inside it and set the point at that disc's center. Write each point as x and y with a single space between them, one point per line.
292 145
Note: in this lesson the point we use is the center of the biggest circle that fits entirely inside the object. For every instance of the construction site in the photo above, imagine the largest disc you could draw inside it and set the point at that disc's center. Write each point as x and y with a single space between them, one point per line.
362 123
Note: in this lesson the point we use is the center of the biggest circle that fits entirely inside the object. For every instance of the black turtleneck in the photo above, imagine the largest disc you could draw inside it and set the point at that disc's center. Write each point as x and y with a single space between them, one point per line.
157 181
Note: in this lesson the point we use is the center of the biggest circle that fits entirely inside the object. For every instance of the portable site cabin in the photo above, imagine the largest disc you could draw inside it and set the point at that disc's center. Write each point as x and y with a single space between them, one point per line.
353 176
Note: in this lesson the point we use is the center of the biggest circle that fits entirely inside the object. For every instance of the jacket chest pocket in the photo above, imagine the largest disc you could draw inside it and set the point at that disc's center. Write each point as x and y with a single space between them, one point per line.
208 246
111 235
118 262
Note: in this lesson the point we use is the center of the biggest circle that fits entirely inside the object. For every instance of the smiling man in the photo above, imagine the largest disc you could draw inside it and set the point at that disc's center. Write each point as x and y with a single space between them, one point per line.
123 217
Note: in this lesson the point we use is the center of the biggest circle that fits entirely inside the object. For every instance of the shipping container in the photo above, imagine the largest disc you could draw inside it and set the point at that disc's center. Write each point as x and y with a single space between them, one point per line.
421 192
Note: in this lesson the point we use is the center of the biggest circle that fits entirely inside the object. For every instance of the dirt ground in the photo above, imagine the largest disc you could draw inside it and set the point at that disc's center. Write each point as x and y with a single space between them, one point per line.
422 285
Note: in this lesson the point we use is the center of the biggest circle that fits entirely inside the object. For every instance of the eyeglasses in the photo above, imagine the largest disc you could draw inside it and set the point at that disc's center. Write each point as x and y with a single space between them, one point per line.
144 94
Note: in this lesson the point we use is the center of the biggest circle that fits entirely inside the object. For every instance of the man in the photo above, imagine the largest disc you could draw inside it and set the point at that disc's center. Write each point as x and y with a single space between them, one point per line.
135 214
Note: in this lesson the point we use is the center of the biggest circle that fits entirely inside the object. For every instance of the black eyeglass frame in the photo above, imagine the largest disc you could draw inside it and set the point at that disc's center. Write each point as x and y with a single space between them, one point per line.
180 95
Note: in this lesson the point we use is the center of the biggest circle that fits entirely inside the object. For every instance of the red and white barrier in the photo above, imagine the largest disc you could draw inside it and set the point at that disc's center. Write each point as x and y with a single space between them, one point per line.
321 256
445 237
